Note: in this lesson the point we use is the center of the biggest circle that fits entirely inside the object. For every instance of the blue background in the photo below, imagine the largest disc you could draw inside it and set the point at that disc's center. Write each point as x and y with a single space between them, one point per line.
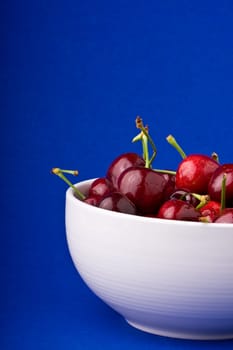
74 75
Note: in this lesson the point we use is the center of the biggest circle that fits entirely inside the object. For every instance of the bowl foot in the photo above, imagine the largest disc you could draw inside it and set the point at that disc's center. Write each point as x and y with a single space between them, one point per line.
179 335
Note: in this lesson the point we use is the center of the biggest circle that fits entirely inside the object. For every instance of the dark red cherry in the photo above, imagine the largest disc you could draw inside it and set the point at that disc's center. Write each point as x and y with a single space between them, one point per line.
185 196
176 209
92 200
210 211
215 184
226 217
170 185
116 201
144 187
100 187
120 164
194 173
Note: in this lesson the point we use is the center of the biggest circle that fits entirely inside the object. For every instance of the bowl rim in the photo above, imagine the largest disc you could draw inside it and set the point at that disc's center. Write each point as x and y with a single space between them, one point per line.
143 219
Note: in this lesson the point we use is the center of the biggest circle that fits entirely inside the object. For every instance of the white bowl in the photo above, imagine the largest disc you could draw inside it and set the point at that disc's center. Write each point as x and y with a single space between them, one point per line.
166 277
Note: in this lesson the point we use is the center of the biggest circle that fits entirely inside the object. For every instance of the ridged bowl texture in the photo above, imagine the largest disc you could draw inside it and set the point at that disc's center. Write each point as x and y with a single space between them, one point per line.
166 277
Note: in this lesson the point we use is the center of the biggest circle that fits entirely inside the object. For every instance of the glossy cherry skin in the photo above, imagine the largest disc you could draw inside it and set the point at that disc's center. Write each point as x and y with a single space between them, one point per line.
194 173
116 201
176 209
226 217
185 196
100 187
120 164
92 200
210 211
170 185
144 187
215 184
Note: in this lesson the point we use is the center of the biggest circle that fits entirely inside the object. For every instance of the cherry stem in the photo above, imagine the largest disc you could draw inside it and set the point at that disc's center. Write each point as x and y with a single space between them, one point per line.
59 172
141 137
215 157
204 219
171 172
223 192
171 139
147 137
145 150
203 198
71 172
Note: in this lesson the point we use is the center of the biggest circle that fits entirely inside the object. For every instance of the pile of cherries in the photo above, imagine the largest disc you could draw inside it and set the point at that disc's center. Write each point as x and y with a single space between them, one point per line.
201 189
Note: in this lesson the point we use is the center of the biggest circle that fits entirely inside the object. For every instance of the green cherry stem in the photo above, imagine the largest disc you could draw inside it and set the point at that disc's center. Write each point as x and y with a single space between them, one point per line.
71 172
223 192
154 149
203 198
215 156
147 137
59 172
145 150
145 154
164 171
171 139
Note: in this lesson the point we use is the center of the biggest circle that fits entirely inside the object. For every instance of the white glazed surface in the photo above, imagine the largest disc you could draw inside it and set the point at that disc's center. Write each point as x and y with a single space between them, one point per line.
171 278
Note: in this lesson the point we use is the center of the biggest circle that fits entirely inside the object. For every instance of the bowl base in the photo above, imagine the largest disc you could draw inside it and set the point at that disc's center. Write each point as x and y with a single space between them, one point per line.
179 335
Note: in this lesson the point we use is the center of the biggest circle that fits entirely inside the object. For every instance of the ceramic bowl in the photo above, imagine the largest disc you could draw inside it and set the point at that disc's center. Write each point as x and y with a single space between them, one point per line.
170 278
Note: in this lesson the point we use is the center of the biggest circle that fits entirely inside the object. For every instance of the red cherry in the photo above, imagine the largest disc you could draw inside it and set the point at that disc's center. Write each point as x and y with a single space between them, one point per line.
118 202
185 196
92 200
100 187
144 187
176 209
170 185
215 184
120 164
226 217
210 211
194 173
